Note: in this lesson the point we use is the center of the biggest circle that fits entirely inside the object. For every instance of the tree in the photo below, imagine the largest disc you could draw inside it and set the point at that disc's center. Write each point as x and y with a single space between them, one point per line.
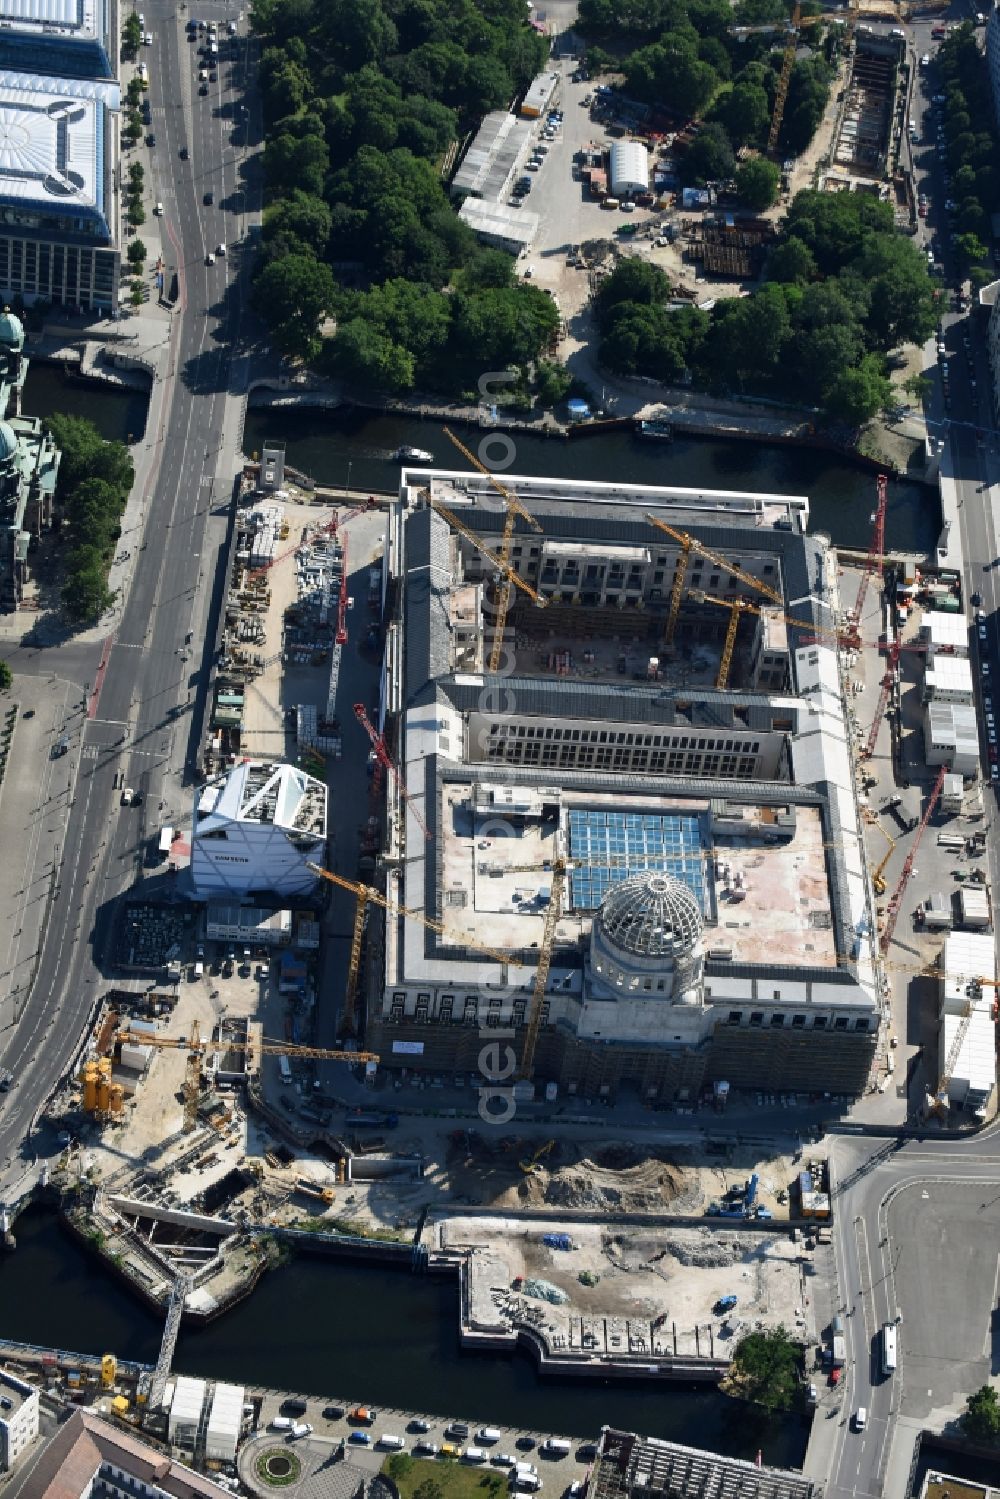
136 253
981 1420
85 593
791 261
399 1465
132 34
765 1369
745 113
429 1489
709 158
757 182
971 247
857 394
86 455
552 383
293 293
633 280
305 215
6 677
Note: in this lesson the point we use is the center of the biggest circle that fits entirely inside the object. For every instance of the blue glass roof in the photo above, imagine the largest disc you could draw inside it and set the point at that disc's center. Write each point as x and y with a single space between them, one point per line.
614 845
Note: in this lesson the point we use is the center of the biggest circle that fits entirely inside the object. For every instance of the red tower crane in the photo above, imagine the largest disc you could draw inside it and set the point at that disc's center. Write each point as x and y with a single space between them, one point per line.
341 636
896 899
873 562
385 759
894 650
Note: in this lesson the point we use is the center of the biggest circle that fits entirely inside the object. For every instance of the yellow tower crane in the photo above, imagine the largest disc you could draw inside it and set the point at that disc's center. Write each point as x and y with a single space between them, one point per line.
689 544
514 509
878 873
738 607
196 1047
503 568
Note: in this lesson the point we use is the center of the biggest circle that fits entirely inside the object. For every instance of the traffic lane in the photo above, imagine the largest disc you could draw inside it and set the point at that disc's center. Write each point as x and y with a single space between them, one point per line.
949 1341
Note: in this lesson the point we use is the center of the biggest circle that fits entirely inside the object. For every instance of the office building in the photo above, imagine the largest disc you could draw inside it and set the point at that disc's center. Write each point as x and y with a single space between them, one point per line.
637 1467
68 38
88 1458
58 213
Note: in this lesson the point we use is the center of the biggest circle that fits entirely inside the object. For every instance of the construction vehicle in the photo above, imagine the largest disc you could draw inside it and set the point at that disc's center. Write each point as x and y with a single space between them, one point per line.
309 1189
514 509
689 544
530 1166
197 1048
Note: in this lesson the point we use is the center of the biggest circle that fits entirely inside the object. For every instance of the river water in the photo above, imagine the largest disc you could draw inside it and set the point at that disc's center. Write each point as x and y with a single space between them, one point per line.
374 1334
371 1334
328 444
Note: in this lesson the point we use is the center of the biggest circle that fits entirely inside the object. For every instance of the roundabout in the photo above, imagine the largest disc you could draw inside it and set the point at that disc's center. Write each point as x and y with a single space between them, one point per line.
277 1467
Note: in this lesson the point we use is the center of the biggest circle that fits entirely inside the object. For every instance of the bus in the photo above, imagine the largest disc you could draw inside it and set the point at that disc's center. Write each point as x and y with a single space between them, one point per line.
888 1349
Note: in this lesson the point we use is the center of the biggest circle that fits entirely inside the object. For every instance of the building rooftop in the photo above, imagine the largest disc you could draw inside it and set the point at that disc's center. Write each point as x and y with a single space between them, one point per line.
17 1391
257 791
83 1445
629 1466
492 156
52 142
70 37
605 748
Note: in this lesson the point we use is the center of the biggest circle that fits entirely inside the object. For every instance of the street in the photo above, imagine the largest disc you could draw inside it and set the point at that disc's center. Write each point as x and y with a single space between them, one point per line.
146 720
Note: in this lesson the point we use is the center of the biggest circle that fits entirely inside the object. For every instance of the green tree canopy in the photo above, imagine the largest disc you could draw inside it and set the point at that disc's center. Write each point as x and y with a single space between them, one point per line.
709 158
6 677
757 183
765 1369
293 293
981 1420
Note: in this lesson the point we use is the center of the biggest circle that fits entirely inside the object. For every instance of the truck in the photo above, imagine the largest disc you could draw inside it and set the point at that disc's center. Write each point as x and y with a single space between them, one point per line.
369 1119
285 1068
838 1351
166 840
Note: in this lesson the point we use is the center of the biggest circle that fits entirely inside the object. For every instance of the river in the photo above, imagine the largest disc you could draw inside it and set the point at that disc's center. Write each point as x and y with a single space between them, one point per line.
328 444
370 1334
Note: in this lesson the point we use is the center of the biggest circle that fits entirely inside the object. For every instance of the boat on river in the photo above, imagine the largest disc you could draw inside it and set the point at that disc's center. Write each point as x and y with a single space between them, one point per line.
657 429
412 455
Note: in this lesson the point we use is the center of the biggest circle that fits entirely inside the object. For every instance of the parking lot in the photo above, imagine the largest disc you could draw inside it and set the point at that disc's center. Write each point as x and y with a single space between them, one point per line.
569 216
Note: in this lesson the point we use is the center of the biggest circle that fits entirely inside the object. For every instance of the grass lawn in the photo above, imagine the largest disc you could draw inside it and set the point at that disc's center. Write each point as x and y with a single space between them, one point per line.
452 1480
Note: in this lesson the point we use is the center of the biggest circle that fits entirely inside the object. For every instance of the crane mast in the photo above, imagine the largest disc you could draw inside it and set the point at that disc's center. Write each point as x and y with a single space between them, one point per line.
378 744
896 899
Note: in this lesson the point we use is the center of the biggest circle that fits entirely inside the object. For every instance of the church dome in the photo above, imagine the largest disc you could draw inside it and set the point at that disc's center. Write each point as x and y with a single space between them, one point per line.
8 442
652 915
11 330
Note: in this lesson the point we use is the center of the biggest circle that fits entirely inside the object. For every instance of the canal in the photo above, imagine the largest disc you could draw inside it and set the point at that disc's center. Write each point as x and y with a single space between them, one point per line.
381 1336
356 447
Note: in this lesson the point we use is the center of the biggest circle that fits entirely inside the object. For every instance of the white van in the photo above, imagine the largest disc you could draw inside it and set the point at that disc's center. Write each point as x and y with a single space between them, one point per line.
301 1429
526 1470
555 1447
389 1439
282 1423
474 1455
488 1436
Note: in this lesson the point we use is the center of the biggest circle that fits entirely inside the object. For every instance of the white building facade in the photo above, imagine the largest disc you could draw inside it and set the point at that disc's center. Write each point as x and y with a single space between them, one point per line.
18 1419
255 830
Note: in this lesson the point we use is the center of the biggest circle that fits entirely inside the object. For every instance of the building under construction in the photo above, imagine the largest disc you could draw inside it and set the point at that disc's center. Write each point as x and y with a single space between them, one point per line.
865 125
626 837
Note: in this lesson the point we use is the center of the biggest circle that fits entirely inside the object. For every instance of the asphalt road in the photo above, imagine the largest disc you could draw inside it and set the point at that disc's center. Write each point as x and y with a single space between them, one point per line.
146 720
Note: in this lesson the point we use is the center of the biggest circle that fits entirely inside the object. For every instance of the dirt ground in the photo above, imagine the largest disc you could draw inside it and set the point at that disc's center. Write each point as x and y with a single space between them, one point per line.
631 1288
